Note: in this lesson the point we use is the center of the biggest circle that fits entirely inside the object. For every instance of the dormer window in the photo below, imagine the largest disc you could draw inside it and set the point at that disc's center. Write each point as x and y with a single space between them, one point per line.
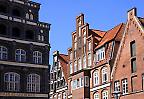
100 54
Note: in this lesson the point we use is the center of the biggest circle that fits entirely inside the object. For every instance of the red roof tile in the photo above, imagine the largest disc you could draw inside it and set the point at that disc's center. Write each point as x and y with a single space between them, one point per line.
115 32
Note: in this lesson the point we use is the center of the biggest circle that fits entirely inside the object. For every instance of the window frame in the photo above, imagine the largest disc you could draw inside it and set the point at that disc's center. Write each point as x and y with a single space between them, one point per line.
21 56
3 53
37 57
12 83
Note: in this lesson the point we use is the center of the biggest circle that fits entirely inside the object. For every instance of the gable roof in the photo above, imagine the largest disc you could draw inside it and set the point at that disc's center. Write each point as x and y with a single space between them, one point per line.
64 59
115 32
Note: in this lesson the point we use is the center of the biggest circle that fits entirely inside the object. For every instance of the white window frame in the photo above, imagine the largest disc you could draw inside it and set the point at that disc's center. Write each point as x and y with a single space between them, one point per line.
20 55
96 96
71 68
89 46
105 95
117 86
84 62
75 66
86 81
33 83
79 64
12 81
124 86
104 74
37 57
96 78
100 54
89 59
81 81
3 53
59 96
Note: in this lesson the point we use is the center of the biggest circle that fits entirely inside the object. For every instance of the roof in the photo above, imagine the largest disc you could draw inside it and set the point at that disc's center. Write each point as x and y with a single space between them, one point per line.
115 32
141 20
98 34
64 59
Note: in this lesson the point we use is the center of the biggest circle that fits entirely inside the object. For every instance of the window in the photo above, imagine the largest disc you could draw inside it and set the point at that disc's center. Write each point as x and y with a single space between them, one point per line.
89 46
55 97
96 96
78 83
105 95
27 16
86 81
100 54
16 12
74 84
133 48
75 66
81 82
124 86
96 78
40 37
74 54
20 55
133 65
71 56
64 95
29 34
16 32
84 62
37 57
3 53
59 96
75 46
12 81
71 68
79 31
33 83
104 75
117 86
79 64
89 59
84 40
3 29
31 16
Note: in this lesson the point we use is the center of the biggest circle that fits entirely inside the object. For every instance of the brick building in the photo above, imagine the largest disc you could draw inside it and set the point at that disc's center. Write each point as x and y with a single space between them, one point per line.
24 51
128 71
104 57
106 64
59 76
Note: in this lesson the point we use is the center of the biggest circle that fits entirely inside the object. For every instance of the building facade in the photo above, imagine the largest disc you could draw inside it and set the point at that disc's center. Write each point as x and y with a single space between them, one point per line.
24 51
104 57
128 71
59 76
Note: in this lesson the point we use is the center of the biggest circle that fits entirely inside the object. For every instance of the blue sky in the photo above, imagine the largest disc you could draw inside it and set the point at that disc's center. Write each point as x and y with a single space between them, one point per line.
100 14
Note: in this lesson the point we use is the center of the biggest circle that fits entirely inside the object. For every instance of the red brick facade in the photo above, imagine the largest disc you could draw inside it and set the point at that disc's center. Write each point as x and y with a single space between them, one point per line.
106 64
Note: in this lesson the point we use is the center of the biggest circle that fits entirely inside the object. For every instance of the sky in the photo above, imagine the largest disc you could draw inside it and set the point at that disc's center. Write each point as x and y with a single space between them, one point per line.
100 14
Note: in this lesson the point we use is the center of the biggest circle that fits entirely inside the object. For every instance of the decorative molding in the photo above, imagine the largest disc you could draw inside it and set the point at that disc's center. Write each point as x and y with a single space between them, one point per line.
9 94
23 64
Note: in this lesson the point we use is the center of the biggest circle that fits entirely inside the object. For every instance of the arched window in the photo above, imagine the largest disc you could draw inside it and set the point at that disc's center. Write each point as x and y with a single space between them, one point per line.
31 16
3 29
3 9
12 81
96 96
16 32
16 12
96 78
75 66
37 57
104 75
29 34
105 95
33 83
20 55
3 53
27 16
